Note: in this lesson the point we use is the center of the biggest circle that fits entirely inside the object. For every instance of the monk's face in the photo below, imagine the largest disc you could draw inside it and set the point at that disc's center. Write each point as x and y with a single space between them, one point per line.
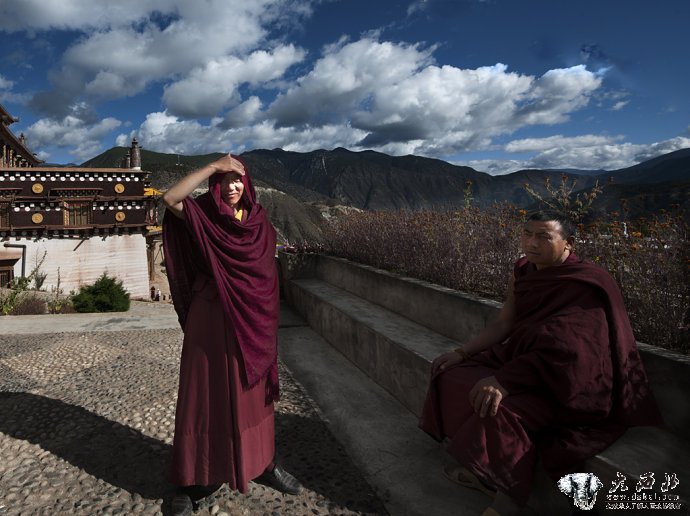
231 189
544 244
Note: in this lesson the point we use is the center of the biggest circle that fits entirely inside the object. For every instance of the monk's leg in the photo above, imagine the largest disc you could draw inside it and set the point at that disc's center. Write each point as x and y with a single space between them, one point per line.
446 408
499 449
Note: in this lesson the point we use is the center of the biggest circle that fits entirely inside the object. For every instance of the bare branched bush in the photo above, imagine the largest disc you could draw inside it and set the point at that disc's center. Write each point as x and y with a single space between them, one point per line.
562 199
474 251
468 249
29 304
650 260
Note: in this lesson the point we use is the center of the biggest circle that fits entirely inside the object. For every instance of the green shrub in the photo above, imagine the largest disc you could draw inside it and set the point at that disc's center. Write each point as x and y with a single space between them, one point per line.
106 295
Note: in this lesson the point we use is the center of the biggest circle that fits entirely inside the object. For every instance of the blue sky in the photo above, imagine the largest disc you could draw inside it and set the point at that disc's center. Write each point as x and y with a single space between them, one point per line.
499 85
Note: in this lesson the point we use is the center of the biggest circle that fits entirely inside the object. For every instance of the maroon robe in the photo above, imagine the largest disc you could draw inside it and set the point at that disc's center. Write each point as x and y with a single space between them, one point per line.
574 378
224 285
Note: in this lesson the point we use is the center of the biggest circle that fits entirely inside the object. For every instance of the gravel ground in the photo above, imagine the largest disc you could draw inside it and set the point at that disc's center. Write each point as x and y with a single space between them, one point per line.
86 426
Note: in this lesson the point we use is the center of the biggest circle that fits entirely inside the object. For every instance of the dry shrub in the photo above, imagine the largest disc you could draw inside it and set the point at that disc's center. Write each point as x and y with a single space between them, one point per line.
29 304
474 251
650 260
468 249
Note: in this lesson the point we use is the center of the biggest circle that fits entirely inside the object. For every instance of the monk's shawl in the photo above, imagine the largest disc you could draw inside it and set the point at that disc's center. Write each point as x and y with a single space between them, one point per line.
573 338
240 257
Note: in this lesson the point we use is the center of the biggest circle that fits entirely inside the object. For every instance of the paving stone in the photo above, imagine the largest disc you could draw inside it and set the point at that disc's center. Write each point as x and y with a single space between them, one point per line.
87 426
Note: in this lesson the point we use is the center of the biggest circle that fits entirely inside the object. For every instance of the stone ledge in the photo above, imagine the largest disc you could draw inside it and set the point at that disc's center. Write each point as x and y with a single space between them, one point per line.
367 335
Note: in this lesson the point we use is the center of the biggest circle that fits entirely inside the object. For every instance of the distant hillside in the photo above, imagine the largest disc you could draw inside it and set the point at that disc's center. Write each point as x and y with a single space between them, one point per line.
366 180
151 161
372 180
674 166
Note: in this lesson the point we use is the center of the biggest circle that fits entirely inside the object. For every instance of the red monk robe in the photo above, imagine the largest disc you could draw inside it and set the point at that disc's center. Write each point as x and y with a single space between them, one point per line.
573 373
224 286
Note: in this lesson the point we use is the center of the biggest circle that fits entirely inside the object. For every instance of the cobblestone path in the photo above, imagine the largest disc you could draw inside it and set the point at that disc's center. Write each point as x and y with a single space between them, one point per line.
86 425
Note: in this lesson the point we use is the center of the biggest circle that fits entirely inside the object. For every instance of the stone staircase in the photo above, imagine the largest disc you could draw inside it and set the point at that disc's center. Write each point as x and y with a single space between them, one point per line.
391 327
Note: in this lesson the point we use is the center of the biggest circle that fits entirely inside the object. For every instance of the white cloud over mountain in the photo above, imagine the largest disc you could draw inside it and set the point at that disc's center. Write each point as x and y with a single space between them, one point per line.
229 80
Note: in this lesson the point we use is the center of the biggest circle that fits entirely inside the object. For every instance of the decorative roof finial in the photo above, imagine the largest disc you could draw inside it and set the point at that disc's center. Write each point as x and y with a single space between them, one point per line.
135 155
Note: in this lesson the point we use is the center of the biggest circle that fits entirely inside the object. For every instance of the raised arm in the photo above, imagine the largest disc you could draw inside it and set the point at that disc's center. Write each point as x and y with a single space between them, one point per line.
184 187
496 331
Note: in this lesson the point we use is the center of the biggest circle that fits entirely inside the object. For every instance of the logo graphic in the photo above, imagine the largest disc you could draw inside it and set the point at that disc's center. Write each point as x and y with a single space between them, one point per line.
582 488
643 496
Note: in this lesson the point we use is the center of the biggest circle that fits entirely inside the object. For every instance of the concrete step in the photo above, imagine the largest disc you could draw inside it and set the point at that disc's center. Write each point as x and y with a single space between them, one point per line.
392 350
396 353
401 462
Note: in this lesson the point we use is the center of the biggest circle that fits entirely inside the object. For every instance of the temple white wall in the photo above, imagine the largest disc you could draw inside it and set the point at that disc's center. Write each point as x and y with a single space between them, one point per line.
83 261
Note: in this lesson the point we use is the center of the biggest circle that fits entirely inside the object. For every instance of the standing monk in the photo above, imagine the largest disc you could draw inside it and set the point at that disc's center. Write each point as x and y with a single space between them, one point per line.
558 372
220 260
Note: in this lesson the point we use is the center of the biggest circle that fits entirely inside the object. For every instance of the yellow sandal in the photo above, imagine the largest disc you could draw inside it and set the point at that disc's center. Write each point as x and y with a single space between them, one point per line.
460 475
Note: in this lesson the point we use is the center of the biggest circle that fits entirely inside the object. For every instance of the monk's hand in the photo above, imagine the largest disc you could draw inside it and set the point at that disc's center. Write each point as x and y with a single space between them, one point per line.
228 164
486 396
447 360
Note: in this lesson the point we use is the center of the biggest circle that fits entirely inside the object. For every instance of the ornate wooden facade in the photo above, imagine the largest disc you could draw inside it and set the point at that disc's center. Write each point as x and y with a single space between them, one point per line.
85 221
53 202
13 150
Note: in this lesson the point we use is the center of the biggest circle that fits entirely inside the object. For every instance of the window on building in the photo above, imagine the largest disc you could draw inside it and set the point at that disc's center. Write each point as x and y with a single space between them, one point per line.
77 213
6 276
4 214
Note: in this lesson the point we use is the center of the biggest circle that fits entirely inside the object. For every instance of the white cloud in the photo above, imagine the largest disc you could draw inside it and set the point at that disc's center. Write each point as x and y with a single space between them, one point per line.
404 102
344 78
5 84
368 94
81 138
17 15
245 114
129 45
220 62
163 132
7 95
417 6
560 142
556 94
587 152
207 90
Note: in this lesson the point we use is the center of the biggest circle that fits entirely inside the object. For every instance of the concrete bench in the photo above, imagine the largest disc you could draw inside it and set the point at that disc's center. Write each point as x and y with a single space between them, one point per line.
392 327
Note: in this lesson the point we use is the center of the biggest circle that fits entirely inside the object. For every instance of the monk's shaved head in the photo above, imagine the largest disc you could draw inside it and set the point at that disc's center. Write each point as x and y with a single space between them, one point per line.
567 228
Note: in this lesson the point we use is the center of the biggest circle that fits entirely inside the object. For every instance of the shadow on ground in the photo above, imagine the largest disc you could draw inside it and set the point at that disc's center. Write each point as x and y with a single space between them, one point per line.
117 454
307 448
132 461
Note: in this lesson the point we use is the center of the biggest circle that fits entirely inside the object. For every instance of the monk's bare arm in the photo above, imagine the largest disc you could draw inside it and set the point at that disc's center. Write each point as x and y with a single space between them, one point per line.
184 187
495 332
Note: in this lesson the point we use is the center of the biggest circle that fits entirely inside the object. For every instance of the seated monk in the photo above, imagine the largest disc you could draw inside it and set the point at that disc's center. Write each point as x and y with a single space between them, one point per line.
556 376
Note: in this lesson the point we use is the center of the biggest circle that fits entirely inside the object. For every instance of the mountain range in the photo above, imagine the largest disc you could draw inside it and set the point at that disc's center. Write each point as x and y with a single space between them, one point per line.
301 188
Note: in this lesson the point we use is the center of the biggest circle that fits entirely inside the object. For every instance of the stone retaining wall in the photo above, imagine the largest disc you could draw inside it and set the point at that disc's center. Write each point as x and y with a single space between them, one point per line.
459 315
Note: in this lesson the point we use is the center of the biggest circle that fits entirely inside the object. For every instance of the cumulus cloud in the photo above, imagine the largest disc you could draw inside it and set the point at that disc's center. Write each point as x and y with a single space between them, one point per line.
417 6
391 97
556 94
245 114
402 100
230 82
586 152
7 95
343 79
560 142
5 84
164 132
207 90
128 46
17 15
81 138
